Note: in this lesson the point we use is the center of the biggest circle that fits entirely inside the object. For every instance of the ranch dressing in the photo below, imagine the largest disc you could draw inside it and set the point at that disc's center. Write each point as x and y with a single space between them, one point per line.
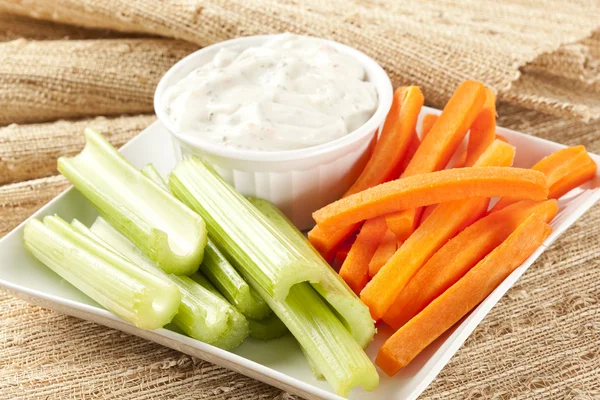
290 93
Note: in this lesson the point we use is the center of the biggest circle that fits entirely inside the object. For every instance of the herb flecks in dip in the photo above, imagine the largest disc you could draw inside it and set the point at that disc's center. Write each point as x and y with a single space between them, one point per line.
291 93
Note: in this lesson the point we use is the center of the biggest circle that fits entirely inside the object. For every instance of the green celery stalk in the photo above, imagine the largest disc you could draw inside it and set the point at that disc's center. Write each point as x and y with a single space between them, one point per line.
229 282
212 307
220 272
202 315
259 250
144 299
264 256
152 173
324 338
268 328
314 368
239 328
161 226
352 312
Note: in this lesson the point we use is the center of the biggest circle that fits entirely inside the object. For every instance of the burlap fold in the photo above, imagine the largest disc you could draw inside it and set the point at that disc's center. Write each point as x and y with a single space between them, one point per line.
30 151
48 80
433 44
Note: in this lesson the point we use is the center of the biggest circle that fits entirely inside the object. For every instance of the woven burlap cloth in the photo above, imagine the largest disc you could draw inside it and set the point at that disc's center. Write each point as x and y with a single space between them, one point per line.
541 341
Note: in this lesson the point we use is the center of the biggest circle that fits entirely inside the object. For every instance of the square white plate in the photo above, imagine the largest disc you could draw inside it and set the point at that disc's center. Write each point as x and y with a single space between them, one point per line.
279 362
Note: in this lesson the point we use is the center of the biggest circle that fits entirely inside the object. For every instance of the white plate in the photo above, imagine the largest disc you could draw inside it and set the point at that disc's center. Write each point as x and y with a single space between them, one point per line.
279 362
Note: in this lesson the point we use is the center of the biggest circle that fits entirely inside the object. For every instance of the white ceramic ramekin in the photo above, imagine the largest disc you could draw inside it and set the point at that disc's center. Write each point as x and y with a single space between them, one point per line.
297 181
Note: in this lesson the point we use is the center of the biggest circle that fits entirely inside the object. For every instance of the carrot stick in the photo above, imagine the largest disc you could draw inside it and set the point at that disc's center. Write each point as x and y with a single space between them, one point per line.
404 345
396 136
415 142
385 251
439 144
427 211
460 254
341 254
326 241
396 140
564 170
355 269
435 187
576 178
446 220
483 130
427 124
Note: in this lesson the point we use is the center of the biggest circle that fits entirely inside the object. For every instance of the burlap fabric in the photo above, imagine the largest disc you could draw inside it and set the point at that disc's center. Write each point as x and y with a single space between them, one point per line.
47 80
435 44
540 341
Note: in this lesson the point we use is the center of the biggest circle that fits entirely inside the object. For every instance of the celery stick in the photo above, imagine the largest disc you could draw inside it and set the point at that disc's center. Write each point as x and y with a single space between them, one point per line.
255 247
238 329
314 368
202 315
268 328
233 326
162 227
220 272
324 338
151 173
144 299
229 282
353 313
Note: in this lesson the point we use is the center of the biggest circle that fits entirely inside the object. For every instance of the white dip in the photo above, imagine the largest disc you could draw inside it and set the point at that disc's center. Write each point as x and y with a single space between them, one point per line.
292 92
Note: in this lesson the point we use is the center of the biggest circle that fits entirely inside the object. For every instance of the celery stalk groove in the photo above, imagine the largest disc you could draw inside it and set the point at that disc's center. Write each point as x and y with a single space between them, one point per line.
161 226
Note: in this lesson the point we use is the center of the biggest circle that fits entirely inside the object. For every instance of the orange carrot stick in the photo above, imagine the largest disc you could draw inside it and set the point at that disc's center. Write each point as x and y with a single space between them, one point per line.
460 254
435 187
439 316
341 254
415 142
385 251
326 241
427 211
397 137
427 124
445 221
483 130
439 144
576 178
355 269
564 170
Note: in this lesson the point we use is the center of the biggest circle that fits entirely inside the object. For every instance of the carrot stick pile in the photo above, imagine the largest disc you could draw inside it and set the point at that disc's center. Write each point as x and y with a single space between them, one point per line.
428 250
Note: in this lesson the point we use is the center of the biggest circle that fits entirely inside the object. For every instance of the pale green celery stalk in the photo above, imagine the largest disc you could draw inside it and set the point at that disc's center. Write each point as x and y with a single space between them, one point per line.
161 226
324 338
152 173
268 328
314 368
238 329
202 315
144 299
229 282
353 313
220 272
235 330
259 250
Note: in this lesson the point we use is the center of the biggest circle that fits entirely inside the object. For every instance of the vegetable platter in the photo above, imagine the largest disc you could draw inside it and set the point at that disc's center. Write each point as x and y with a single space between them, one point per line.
279 361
